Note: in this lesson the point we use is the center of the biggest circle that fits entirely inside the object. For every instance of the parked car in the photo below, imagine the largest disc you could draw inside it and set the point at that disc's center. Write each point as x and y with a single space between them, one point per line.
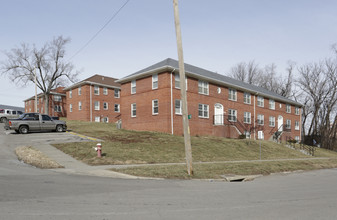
29 122
6 114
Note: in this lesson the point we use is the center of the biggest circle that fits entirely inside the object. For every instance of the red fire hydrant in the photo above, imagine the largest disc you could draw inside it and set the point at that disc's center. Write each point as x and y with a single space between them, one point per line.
99 150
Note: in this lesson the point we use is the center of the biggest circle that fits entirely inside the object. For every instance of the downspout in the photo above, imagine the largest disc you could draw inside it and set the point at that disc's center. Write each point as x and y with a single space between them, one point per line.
172 102
90 104
300 124
255 116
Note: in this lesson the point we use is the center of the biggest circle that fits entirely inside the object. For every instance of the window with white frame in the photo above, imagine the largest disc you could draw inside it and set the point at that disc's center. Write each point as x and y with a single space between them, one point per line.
133 110
297 110
133 86
105 119
177 81
117 93
232 94
203 111
155 107
272 104
155 81
288 124
260 101
96 105
232 115
203 87
105 105
288 108
178 107
117 106
96 90
297 125
105 91
80 90
271 121
247 98
71 107
97 119
58 108
57 98
297 138
260 119
70 93
79 105
247 117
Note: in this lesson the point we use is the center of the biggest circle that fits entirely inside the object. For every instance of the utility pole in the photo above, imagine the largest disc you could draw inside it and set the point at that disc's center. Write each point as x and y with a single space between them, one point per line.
187 137
35 89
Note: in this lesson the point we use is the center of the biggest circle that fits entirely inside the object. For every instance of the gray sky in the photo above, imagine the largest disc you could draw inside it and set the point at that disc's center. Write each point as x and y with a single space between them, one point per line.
217 34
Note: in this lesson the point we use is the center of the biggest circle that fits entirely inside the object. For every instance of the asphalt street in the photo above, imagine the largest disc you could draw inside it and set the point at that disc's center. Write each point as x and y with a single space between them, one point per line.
30 193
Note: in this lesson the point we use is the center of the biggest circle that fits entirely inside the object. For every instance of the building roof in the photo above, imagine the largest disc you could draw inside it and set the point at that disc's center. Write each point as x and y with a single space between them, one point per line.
199 73
97 80
41 95
12 107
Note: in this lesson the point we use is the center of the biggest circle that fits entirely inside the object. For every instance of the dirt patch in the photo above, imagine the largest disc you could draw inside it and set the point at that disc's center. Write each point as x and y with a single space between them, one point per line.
31 156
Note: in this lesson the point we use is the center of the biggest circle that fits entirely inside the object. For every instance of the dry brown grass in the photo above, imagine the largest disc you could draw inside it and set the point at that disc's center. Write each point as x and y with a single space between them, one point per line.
30 155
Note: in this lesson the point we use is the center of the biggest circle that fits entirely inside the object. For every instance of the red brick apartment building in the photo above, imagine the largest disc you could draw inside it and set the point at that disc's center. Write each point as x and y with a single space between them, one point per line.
57 103
218 105
94 99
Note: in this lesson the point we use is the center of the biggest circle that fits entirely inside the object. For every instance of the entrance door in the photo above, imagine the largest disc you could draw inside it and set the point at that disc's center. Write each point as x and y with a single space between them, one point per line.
280 123
218 114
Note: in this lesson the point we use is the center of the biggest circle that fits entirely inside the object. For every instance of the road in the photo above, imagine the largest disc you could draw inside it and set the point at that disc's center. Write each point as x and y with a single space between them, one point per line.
30 193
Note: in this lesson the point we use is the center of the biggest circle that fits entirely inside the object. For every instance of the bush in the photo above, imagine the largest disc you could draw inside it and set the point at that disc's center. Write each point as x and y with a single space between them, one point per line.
242 136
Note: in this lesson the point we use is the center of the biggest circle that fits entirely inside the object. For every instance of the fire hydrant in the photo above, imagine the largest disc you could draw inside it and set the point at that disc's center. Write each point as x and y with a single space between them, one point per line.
99 150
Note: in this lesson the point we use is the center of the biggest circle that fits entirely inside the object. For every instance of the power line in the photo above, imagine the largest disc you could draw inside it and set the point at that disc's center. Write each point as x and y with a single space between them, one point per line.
100 30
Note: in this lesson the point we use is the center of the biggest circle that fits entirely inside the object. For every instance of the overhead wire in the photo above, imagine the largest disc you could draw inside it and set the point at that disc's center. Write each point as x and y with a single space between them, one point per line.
100 30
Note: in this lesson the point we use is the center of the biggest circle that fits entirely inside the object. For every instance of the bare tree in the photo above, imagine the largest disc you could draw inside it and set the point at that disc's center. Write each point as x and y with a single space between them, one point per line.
48 62
246 72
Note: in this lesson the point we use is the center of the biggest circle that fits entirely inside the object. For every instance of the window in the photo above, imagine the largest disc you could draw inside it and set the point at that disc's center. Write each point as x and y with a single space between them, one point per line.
70 94
232 94
96 90
133 86
271 104
288 124
203 87
246 98
97 119
297 110
260 119
96 105
177 80
58 108
57 98
45 118
271 121
79 105
260 101
105 105
155 107
133 110
105 119
247 117
297 138
203 111
71 107
178 107
117 93
116 107
155 81
80 90
297 125
232 115
37 101
105 91
288 108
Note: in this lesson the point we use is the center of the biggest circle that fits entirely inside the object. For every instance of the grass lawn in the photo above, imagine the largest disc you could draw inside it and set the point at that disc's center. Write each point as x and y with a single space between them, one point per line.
132 147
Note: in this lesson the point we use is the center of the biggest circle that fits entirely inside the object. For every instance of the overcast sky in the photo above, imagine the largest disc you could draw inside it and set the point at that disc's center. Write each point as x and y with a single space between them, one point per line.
217 34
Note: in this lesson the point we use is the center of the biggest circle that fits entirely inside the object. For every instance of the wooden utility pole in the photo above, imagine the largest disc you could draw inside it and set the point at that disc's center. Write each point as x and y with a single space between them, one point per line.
187 137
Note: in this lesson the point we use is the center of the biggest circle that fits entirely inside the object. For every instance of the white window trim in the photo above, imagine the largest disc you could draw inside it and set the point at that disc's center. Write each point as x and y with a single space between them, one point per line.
249 98
133 85
105 91
230 94
180 107
288 108
118 108
70 94
70 107
79 92
250 118
204 86
272 104
259 119
154 81
231 115
118 93
270 117
260 101
107 106
79 105
288 125
153 101
297 111
99 119
297 127
96 90
98 107
132 109
203 110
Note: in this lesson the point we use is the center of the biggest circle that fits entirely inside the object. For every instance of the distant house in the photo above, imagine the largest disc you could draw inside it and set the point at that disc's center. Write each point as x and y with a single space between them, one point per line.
96 98
218 105
57 103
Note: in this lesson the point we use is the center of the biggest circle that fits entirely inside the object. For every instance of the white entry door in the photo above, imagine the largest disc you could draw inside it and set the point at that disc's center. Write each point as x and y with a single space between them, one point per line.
218 114
280 123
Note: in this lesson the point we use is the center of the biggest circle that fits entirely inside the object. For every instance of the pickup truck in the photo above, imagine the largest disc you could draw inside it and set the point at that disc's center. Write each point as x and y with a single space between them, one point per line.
6 114
35 122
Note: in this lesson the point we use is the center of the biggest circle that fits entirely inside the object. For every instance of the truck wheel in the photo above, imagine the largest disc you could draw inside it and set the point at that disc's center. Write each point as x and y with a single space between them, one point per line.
17 131
23 129
59 128
3 120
